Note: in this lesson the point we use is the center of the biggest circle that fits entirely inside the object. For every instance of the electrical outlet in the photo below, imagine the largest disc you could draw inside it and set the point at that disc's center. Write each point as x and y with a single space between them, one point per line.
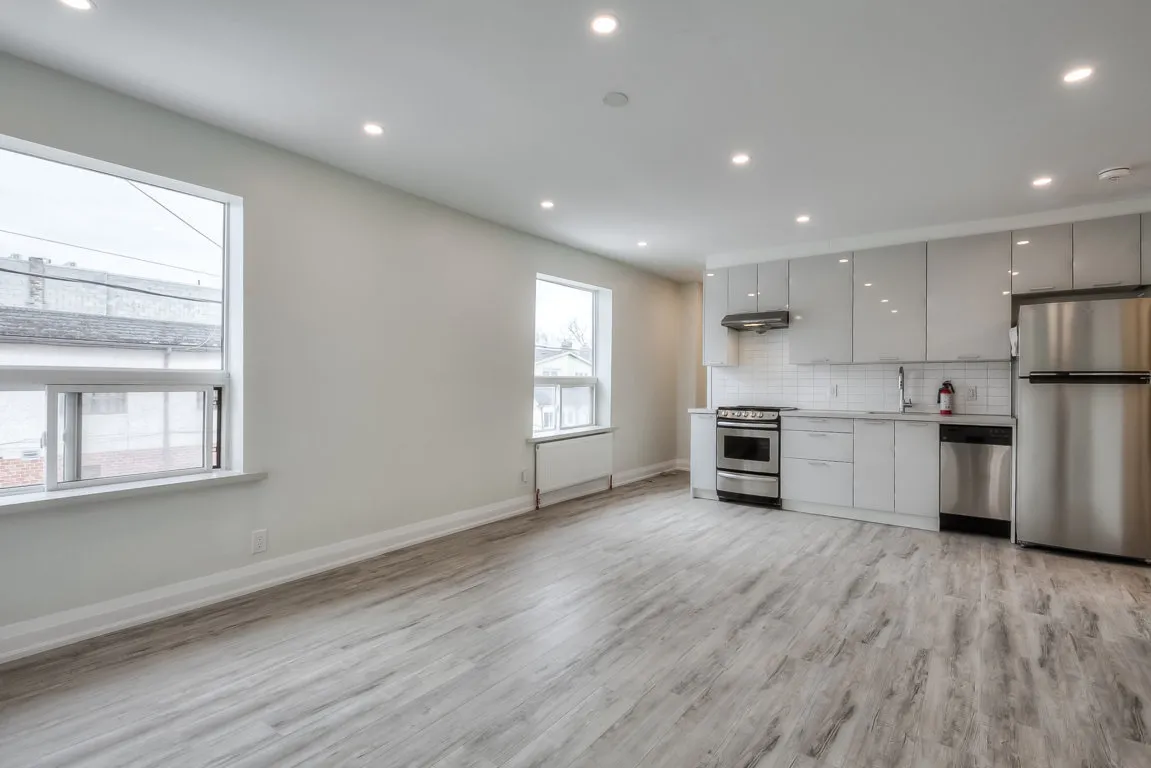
973 393
833 392
259 541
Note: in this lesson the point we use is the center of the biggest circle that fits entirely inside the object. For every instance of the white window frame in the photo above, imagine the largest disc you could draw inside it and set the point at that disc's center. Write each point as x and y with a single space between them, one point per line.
595 381
54 381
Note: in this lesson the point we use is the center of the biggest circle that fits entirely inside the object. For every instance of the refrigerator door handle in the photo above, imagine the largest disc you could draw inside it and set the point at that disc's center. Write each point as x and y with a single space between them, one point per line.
1090 377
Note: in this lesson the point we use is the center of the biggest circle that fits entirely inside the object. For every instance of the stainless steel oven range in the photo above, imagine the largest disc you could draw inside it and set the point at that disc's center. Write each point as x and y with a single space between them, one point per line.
747 440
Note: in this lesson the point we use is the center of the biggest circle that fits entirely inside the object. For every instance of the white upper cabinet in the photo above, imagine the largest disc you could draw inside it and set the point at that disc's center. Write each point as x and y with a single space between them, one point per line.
1105 252
969 298
720 346
891 304
874 478
1041 259
819 292
772 285
917 468
742 289
1146 279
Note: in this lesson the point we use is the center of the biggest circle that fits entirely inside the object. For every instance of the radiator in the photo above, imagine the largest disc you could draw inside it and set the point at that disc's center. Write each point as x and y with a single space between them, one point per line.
566 463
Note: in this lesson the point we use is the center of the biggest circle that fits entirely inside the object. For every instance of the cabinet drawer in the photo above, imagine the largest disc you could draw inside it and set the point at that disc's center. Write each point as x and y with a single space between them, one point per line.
817 424
817 482
825 446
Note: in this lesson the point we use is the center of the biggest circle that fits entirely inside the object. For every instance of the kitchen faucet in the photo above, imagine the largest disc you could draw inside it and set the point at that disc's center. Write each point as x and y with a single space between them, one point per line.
904 403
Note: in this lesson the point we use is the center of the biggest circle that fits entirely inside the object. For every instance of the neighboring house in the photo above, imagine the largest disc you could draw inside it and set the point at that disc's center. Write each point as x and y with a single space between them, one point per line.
67 316
563 361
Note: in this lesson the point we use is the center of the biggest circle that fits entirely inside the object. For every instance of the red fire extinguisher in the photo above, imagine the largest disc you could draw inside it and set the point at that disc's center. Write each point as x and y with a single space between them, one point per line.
946 396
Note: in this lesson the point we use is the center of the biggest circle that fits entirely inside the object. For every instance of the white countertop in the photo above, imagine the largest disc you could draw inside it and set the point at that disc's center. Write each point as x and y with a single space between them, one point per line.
701 410
977 419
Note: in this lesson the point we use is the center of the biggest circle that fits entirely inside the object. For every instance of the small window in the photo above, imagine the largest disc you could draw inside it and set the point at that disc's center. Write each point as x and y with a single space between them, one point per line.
22 423
158 433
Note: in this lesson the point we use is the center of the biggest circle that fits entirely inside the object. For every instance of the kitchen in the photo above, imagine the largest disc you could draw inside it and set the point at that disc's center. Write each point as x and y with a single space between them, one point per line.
994 383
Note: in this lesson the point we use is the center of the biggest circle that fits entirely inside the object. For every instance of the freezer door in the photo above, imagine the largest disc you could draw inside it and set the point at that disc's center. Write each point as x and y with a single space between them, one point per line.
1084 466
1109 335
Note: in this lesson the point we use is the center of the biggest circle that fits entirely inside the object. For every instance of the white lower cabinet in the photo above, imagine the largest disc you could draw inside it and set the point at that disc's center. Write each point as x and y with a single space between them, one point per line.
703 453
917 468
817 482
874 486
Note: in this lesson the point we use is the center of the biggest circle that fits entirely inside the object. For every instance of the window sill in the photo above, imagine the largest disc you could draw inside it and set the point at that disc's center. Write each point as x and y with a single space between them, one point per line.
567 434
32 502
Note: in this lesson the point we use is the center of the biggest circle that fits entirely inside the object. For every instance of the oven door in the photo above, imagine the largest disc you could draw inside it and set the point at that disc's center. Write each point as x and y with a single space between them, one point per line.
747 449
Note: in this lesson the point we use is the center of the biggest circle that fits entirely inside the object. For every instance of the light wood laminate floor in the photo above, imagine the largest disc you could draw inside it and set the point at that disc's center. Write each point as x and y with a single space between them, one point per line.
634 628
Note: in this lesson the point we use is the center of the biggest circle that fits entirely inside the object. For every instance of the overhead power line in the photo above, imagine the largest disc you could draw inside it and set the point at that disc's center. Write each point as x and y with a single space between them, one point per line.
113 287
182 220
108 253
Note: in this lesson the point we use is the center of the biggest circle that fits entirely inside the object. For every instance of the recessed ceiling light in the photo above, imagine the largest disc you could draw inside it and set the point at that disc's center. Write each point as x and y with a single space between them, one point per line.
1014 273
547 205
1023 242
843 261
867 285
604 24
751 294
1007 293
740 158
616 99
1078 75
803 218
79 5
1042 181
711 274
642 244
373 129
895 311
883 301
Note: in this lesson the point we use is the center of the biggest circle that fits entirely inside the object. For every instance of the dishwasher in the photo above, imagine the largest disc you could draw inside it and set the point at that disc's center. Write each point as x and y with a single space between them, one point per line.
975 479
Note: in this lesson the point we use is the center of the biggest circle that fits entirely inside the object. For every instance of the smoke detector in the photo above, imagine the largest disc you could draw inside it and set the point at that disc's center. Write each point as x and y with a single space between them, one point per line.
1114 174
616 99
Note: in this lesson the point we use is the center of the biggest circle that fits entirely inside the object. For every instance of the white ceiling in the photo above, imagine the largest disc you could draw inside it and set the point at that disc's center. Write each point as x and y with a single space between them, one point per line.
871 116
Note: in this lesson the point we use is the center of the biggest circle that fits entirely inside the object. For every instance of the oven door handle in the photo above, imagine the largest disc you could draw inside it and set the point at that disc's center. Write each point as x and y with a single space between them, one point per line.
745 425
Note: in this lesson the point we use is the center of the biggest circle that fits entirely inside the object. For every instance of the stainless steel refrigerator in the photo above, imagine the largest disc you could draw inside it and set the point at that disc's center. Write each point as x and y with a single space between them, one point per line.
1084 445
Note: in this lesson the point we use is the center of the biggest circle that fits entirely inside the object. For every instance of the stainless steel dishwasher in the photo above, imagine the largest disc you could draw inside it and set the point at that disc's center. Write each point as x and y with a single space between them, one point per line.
975 479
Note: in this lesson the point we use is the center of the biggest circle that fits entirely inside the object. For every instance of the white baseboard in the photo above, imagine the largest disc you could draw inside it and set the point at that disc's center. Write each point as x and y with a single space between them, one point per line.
33 636
864 515
642 473
683 465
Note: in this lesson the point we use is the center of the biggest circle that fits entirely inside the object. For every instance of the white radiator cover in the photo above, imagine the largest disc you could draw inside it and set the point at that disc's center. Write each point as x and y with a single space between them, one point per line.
565 463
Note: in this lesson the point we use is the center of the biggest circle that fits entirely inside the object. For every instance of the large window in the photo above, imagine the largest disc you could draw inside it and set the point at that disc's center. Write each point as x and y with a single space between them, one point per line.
113 308
566 380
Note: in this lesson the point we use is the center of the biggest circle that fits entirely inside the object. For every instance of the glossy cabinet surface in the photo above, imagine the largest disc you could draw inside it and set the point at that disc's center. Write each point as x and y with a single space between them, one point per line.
772 286
890 304
720 346
1041 259
1105 253
742 289
874 484
917 468
819 292
703 451
969 298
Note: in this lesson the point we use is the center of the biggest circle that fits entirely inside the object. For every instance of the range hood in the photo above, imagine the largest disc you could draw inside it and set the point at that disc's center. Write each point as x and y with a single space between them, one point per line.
760 322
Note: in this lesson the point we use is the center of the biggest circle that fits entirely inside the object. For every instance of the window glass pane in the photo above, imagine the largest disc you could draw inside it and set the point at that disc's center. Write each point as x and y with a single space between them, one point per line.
100 271
156 432
21 439
576 407
546 408
565 330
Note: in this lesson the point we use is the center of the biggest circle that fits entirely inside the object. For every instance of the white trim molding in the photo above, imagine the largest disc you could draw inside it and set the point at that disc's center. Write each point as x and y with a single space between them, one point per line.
33 636
864 515
630 476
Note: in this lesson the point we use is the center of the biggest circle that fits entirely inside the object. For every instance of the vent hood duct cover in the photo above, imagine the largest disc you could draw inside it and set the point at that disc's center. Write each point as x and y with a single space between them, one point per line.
760 322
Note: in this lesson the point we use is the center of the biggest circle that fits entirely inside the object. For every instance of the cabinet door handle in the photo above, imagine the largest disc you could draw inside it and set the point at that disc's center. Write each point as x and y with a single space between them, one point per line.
817 434
1108 285
818 463
1042 288
919 423
970 357
889 357
821 359
818 421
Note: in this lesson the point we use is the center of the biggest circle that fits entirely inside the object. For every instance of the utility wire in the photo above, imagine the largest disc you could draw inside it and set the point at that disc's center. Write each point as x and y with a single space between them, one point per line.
107 253
184 221
113 287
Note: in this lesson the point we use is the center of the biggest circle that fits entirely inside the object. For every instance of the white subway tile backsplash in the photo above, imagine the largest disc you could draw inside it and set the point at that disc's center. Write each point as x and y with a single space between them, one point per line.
766 377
